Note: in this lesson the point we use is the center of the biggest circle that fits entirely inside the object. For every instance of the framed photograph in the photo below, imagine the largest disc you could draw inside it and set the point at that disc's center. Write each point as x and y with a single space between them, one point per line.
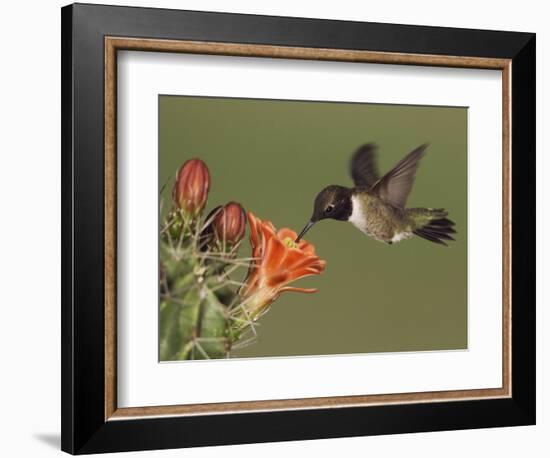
280 228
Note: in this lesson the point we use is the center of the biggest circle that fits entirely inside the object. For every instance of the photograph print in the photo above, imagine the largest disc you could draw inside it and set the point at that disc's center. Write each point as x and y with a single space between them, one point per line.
303 228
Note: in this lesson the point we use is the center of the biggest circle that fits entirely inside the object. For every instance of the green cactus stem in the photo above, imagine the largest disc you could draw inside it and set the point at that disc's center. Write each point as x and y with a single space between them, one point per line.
199 293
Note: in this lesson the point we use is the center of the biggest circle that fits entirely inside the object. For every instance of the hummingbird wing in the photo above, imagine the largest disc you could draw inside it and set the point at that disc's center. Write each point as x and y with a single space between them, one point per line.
363 169
395 186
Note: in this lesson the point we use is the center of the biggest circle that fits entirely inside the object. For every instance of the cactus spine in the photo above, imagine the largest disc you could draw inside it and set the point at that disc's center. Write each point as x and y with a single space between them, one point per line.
198 293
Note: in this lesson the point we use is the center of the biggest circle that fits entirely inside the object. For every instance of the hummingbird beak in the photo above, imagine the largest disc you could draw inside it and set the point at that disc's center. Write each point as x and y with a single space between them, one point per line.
304 230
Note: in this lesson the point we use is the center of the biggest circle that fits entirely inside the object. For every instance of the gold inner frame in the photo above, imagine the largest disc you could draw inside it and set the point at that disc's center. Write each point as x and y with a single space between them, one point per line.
114 44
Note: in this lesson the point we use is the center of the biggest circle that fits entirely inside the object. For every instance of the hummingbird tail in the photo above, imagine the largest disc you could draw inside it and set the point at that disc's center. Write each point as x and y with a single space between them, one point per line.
433 224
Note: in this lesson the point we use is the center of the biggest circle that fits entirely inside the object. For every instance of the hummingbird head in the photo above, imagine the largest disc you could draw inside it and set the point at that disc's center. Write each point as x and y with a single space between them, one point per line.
332 202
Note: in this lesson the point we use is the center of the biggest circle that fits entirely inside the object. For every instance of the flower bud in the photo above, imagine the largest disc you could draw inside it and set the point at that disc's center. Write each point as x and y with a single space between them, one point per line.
229 224
191 188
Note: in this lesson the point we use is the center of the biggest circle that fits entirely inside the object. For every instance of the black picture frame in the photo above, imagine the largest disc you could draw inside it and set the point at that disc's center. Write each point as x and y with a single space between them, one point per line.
84 428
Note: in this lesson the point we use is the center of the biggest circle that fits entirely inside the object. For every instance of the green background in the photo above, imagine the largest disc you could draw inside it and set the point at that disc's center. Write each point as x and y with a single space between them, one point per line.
274 156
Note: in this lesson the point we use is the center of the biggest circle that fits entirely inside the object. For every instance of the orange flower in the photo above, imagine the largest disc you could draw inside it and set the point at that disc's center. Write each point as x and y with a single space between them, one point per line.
278 261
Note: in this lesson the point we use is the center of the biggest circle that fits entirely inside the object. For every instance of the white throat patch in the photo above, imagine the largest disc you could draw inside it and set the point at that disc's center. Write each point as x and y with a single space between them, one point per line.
358 215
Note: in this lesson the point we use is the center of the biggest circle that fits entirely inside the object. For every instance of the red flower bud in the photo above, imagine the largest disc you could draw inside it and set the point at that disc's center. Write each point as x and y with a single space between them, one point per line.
191 188
230 223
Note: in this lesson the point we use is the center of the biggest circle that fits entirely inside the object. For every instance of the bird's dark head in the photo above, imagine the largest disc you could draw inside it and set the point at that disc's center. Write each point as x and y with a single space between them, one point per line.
332 202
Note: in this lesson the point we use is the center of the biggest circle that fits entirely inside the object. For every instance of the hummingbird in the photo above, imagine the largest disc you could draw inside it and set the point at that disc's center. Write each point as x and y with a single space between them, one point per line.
377 205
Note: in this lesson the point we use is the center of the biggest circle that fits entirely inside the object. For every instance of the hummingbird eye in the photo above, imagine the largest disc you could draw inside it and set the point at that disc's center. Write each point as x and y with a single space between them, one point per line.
329 208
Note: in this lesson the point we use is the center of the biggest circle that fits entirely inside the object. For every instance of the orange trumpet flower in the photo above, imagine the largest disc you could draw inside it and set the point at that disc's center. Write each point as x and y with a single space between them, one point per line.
278 261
